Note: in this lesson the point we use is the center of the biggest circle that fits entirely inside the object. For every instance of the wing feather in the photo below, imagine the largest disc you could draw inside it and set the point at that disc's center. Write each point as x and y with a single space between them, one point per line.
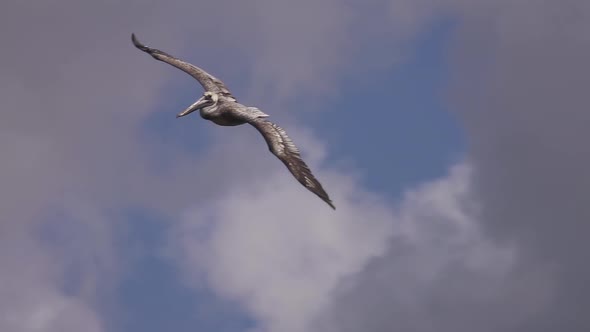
208 81
283 148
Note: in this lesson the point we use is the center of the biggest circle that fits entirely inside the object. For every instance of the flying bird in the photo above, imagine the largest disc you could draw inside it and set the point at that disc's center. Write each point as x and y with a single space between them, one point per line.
219 106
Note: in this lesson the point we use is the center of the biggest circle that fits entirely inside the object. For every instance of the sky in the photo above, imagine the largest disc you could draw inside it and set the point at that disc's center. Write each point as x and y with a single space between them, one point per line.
450 134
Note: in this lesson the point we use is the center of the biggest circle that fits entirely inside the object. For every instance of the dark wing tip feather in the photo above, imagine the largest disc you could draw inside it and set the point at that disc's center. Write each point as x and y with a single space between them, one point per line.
137 44
283 147
328 201
151 51
303 174
331 204
316 188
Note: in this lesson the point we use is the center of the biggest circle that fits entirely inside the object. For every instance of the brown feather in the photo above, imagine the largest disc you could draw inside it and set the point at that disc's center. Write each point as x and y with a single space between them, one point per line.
208 81
283 148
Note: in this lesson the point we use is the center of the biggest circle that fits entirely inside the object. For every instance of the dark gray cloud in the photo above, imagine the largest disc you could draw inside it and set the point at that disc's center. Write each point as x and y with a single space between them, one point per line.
520 88
69 151
529 146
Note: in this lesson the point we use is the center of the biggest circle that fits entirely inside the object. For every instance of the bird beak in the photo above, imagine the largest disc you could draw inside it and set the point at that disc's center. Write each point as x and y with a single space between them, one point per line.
197 105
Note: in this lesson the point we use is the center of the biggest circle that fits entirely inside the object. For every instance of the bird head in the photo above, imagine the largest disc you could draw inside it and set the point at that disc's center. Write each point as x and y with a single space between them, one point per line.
208 99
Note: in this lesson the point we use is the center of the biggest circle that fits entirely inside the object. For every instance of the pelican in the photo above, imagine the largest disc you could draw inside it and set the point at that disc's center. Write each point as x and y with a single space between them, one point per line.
219 106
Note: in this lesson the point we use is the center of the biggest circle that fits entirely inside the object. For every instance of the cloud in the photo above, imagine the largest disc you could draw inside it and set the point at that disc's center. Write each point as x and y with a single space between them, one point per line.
304 270
258 246
498 244
518 88
68 130
525 120
75 95
441 271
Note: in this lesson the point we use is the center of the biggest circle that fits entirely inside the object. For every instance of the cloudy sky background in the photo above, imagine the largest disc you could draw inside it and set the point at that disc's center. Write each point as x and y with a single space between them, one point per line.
450 134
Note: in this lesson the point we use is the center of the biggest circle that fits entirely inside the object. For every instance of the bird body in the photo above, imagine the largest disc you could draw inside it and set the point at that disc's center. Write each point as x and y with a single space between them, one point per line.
228 112
219 106
222 113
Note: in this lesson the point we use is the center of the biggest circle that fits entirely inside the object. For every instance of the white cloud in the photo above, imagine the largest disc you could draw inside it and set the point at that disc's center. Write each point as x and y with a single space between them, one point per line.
275 248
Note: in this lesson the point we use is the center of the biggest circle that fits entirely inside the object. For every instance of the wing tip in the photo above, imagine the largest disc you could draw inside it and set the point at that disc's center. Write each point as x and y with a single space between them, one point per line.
331 205
324 196
138 44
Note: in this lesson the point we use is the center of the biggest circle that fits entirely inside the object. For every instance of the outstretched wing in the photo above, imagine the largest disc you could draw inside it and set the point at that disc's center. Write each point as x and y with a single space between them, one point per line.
283 147
208 81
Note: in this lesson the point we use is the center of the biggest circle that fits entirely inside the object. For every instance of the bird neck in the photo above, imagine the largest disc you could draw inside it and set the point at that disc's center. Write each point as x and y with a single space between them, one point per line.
208 110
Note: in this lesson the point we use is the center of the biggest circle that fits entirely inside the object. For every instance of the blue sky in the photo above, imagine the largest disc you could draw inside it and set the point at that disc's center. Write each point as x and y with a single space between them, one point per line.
396 132
399 130
450 134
